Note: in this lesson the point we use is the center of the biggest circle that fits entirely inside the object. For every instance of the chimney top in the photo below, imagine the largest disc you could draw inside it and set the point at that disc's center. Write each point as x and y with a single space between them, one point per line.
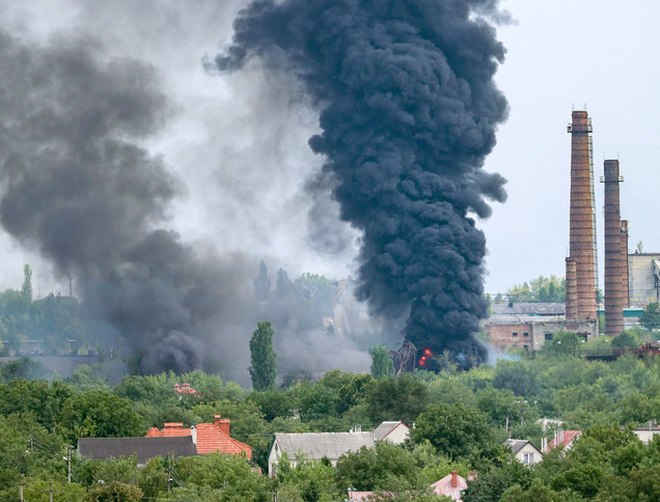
454 479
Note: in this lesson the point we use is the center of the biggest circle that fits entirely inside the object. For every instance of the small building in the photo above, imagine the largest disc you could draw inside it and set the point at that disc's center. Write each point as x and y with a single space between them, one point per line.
145 448
644 278
524 451
646 434
316 446
392 432
564 439
452 486
207 438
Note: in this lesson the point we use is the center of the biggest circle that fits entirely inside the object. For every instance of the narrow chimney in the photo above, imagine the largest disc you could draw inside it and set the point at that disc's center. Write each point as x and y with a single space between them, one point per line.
454 479
583 215
626 271
571 290
222 424
614 265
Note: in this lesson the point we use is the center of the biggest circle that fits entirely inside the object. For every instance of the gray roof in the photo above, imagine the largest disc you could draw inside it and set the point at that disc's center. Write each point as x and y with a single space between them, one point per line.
144 447
528 308
385 428
517 444
317 445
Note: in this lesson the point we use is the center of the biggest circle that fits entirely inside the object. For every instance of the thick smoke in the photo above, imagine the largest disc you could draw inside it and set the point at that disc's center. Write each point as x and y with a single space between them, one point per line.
163 249
77 185
408 113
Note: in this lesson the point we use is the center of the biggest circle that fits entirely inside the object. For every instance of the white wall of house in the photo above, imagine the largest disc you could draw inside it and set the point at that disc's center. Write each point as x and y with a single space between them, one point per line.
400 433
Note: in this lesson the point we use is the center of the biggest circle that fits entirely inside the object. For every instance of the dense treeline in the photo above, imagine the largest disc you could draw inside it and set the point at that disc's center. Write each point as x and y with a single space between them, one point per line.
461 417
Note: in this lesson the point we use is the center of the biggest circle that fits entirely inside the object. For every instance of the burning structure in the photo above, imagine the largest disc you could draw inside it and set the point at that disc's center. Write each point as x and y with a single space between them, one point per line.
408 112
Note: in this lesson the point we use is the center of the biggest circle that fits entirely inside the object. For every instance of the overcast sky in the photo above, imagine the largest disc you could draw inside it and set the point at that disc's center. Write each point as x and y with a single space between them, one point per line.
242 150
563 56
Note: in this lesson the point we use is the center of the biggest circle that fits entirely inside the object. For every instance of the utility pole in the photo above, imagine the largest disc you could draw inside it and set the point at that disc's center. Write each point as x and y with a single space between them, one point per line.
21 490
51 491
68 462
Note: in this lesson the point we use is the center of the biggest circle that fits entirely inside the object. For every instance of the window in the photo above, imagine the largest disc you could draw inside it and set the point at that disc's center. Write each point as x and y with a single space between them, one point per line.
548 336
514 333
525 334
528 458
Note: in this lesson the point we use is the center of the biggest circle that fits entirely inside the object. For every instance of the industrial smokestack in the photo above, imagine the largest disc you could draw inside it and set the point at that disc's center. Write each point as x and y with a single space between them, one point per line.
571 290
583 215
624 261
614 264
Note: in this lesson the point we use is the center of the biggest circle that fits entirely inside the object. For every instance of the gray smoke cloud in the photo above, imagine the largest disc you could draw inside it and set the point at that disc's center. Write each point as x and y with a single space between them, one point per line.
156 187
408 112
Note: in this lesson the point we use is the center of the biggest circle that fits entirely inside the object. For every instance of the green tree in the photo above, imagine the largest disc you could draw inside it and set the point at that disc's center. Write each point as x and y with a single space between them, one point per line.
457 431
98 413
564 343
397 398
650 318
381 363
114 492
263 360
26 289
519 376
627 340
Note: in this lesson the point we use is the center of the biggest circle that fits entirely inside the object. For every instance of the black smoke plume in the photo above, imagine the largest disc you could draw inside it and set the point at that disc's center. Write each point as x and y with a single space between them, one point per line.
408 112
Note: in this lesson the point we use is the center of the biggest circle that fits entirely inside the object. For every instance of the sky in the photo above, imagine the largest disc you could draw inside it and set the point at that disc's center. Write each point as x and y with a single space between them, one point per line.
240 147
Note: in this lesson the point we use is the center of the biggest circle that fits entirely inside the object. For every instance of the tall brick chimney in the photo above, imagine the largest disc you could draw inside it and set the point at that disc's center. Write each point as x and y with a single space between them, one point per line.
582 241
615 266
625 286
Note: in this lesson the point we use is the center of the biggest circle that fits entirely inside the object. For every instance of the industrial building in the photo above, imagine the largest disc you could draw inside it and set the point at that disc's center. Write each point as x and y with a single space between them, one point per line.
631 280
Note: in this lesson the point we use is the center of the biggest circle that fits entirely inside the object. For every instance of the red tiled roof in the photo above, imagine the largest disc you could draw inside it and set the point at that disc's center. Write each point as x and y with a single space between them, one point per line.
564 438
209 438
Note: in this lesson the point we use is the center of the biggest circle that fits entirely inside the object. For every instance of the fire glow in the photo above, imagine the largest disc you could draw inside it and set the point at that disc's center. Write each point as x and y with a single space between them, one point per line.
427 354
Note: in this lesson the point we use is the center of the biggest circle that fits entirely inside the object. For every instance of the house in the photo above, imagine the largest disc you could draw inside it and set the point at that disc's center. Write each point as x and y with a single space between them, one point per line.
392 432
450 486
524 451
316 446
563 439
184 389
145 448
207 438
646 434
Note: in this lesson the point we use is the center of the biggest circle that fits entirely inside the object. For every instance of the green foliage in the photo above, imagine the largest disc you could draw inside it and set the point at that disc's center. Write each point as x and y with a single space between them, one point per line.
114 492
650 318
490 485
517 376
224 478
263 364
564 343
627 340
98 413
381 363
309 482
386 467
541 289
397 398
457 431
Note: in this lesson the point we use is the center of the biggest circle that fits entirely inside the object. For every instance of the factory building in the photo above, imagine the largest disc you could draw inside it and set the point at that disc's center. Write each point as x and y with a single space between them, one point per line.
529 325
644 280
